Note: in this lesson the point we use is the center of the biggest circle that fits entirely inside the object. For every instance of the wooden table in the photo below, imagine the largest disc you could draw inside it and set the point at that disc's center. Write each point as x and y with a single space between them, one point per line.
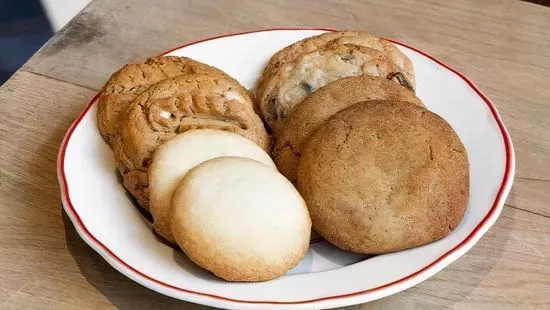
504 46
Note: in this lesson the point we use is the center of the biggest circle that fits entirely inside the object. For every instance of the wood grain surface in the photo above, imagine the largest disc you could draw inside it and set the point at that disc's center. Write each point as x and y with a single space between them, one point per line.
503 46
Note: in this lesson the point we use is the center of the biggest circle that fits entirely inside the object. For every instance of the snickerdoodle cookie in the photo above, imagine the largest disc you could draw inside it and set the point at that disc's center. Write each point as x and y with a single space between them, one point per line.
384 176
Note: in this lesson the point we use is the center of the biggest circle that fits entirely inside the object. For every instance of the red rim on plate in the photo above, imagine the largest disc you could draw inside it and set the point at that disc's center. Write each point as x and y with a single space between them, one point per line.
476 232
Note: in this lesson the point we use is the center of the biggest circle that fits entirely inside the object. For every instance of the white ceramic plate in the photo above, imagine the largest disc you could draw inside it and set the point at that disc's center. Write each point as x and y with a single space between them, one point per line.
107 220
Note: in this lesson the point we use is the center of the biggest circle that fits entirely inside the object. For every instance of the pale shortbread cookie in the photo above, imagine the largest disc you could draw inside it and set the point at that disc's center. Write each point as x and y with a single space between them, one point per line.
382 176
173 159
240 219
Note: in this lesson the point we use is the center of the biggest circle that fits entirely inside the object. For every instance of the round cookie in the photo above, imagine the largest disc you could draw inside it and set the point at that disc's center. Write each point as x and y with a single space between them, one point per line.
382 176
310 44
127 83
172 106
240 219
321 105
173 159
299 78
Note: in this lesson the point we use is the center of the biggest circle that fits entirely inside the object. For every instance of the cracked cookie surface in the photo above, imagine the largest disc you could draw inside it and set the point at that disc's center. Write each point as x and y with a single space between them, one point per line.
321 105
172 106
130 81
382 176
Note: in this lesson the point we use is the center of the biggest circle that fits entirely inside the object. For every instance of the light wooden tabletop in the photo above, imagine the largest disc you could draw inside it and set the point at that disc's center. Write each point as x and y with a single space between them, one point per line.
502 45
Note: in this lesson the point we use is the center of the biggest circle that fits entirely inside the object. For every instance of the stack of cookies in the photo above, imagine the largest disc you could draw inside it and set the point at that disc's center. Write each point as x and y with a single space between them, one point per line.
361 159
143 105
378 171
192 151
220 198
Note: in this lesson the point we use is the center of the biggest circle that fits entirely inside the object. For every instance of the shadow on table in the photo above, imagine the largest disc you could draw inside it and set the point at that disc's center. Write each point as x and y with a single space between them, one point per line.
122 292
456 282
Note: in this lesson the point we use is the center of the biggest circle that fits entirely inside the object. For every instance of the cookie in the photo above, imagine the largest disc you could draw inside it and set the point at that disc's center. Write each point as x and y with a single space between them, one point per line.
310 44
172 106
127 83
240 219
321 105
382 176
299 78
173 159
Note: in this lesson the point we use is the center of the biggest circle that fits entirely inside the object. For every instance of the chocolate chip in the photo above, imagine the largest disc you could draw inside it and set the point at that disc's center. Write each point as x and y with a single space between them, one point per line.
276 110
401 79
346 57
308 88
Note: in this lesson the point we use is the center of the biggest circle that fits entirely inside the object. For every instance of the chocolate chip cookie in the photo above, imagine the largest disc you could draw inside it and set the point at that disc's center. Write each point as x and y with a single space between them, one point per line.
293 81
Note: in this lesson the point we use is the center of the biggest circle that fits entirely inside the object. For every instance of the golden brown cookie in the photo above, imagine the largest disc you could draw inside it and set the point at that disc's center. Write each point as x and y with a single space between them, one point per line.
293 81
172 106
240 219
321 105
128 82
384 176
310 44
